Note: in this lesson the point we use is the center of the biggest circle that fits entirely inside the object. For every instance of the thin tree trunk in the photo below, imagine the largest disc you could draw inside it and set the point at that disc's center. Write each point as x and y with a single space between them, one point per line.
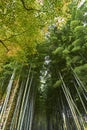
17 109
8 93
26 101
23 100
70 103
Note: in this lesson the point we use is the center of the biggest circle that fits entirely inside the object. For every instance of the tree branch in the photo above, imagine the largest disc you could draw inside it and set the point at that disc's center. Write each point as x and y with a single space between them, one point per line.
29 9
15 35
4 45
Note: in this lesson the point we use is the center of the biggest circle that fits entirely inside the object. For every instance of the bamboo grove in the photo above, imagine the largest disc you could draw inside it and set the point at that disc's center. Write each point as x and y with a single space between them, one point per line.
43 65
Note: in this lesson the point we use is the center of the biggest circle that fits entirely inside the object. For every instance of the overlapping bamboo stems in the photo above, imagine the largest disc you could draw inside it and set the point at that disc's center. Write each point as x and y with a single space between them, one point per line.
25 105
23 100
64 113
17 109
75 107
23 115
27 117
80 84
70 103
80 98
11 103
8 93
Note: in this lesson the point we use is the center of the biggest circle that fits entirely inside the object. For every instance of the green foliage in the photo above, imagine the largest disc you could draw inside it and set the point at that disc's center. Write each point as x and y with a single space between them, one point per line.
57 84
79 31
66 52
23 25
81 69
76 59
66 47
76 49
74 24
58 51
77 42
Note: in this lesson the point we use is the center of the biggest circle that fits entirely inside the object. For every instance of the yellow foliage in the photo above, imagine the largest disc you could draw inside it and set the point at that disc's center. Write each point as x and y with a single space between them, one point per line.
13 50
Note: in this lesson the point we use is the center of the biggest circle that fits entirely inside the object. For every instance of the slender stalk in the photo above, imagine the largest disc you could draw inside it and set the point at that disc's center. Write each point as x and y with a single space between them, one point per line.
17 108
80 99
26 101
70 103
23 100
75 106
11 103
79 82
8 93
